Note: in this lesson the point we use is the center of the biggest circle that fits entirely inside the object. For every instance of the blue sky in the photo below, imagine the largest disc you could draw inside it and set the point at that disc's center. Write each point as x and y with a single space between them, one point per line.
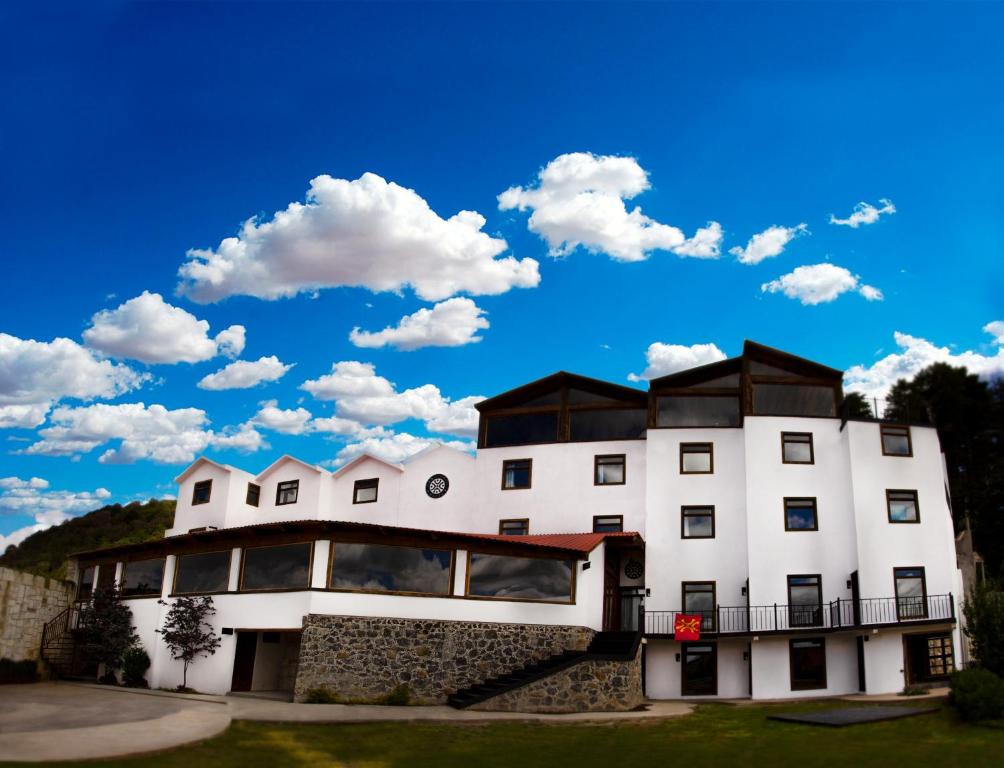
134 133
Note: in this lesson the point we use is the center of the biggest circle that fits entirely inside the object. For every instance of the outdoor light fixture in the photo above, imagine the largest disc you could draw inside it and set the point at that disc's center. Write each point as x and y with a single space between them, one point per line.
586 565
677 657
743 591
848 583
228 630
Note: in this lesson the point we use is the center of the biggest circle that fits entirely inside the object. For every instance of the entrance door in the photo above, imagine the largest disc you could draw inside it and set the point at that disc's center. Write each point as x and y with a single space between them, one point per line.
929 658
612 592
700 669
856 601
247 645
861 663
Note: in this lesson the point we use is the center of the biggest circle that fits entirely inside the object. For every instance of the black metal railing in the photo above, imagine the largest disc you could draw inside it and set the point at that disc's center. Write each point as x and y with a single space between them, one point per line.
838 614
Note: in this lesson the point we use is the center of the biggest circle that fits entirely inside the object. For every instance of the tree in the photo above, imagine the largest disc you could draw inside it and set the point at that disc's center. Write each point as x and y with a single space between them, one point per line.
187 633
105 629
856 406
984 612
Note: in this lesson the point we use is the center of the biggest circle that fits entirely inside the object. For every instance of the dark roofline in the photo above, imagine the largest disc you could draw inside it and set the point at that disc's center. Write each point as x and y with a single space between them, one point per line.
727 366
564 378
771 352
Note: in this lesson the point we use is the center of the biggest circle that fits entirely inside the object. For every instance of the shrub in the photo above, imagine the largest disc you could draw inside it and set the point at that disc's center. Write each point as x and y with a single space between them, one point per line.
914 690
18 671
399 697
984 612
321 696
977 694
135 663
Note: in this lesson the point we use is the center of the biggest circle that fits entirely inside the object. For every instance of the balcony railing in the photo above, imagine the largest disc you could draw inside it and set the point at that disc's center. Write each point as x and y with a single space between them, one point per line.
839 614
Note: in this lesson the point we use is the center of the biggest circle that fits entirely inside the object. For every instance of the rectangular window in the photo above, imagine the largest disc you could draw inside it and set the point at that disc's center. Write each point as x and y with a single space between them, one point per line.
86 586
805 600
800 514
201 492
607 424
381 568
142 577
902 506
896 441
286 492
794 400
807 658
796 448
697 522
365 491
253 497
520 527
516 473
606 523
697 411
203 573
609 470
521 429
911 593
699 600
520 578
697 458
106 576
286 566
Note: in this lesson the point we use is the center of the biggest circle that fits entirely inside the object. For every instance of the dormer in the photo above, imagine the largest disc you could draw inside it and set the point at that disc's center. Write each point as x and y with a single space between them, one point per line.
290 489
366 488
204 490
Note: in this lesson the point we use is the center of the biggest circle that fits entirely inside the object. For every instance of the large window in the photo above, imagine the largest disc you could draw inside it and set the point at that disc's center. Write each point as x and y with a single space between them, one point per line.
800 514
380 568
283 567
201 492
697 458
911 593
697 522
807 659
203 573
365 491
609 470
902 506
607 424
253 497
515 527
521 429
516 473
699 600
287 492
142 577
697 411
796 448
86 587
896 441
520 578
794 400
805 600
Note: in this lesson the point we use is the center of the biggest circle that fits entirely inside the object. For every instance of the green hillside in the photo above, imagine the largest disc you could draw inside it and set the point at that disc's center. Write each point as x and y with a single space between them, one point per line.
45 552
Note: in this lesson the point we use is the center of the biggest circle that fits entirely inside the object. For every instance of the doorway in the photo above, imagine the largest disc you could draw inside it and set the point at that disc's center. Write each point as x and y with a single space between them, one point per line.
699 673
861 663
929 658
247 645
265 662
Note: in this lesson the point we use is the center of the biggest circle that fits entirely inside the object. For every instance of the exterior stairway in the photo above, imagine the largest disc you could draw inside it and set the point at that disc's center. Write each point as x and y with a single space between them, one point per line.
606 646
59 648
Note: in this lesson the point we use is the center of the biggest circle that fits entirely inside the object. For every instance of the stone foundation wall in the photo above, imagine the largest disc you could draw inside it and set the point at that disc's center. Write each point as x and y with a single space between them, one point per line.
589 686
364 658
27 602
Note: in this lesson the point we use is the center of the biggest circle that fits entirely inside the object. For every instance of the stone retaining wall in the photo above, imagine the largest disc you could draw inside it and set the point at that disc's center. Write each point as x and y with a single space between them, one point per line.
27 602
363 658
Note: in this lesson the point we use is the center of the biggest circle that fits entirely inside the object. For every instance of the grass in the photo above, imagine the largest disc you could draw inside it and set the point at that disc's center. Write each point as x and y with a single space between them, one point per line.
713 735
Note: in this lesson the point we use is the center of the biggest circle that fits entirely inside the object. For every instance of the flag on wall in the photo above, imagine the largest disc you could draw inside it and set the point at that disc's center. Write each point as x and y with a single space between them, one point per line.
687 627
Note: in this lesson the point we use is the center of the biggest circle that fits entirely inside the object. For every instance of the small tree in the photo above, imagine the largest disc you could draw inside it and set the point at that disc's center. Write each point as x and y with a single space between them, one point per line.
984 612
105 629
187 633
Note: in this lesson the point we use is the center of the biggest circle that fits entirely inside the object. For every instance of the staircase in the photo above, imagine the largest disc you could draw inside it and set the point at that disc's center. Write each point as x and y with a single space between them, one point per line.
59 647
605 646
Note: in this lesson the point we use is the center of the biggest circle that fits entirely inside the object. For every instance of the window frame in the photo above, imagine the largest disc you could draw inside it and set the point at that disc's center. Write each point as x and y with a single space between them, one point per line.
708 623
896 429
177 569
687 511
332 548
889 492
529 475
121 587
573 586
819 591
811 442
791 664
365 484
310 568
711 458
279 489
609 517
208 485
597 463
900 616
524 520
815 514
257 500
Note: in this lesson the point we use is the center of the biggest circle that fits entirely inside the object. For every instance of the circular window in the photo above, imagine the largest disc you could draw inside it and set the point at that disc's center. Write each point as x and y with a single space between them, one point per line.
634 569
437 486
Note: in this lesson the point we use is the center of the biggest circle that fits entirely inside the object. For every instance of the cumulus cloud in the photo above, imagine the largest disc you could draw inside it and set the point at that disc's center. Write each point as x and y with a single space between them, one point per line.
23 416
914 355
47 507
393 447
244 374
664 359
368 232
865 213
819 284
287 421
149 329
767 244
996 329
579 200
451 323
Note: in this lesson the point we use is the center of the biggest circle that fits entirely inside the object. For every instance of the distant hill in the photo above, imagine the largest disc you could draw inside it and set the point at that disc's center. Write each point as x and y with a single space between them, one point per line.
45 552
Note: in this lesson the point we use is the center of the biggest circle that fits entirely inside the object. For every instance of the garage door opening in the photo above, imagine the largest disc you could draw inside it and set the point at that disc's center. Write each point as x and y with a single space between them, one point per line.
265 663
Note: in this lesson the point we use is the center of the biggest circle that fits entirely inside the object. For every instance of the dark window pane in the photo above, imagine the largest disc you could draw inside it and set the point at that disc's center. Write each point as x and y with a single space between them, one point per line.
365 491
379 568
910 602
202 491
143 577
516 473
287 492
609 470
698 522
796 448
580 396
514 527
284 567
86 583
808 664
896 441
106 576
698 412
722 382
805 599
254 494
800 515
609 523
522 428
762 369
695 458
548 398
618 424
794 400
521 578
206 572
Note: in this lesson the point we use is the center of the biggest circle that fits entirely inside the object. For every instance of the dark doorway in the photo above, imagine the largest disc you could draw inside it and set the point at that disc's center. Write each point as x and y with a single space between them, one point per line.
929 658
861 663
856 600
612 591
247 645
700 669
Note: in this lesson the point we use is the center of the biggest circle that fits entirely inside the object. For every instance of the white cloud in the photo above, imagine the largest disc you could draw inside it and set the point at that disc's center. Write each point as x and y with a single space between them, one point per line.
914 355
149 329
245 439
664 359
48 507
767 244
996 329
244 374
23 416
819 284
451 323
865 213
579 200
289 422
395 447
369 233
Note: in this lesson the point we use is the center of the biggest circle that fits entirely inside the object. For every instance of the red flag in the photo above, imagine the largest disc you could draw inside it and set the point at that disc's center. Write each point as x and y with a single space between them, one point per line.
687 627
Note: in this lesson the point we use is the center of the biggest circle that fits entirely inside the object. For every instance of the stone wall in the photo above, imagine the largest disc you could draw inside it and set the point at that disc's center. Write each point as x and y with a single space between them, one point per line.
27 602
361 658
589 686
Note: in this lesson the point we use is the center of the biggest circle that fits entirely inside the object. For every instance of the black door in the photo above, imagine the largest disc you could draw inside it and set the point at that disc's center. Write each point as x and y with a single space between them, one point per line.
611 592
247 644
861 663
856 601
700 669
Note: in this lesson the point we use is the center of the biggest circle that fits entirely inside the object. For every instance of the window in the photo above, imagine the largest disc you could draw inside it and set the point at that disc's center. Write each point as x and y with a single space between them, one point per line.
516 473
911 593
896 441
202 573
86 586
699 600
807 659
106 576
286 566
520 578
609 470
142 578
381 568
521 429
201 492
605 523
697 522
697 458
800 514
519 527
902 506
286 492
697 411
607 424
254 495
796 448
794 400
805 601
365 491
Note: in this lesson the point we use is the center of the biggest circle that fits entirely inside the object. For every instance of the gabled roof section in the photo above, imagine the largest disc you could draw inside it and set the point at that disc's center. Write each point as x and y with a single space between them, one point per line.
799 366
202 460
702 373
527 393
436 446
285 459
366 457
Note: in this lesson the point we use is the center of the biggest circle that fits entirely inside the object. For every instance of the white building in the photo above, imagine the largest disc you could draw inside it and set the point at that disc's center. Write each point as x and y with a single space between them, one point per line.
817 550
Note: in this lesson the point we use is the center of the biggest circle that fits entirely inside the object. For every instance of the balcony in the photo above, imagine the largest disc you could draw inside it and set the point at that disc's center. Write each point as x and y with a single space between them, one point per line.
841 614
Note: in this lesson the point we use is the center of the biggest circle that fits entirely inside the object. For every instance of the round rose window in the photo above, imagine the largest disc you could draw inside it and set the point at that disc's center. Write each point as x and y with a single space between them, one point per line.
437 486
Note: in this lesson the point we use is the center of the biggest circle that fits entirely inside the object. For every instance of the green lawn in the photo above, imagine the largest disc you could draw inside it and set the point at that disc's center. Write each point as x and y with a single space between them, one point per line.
715 735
